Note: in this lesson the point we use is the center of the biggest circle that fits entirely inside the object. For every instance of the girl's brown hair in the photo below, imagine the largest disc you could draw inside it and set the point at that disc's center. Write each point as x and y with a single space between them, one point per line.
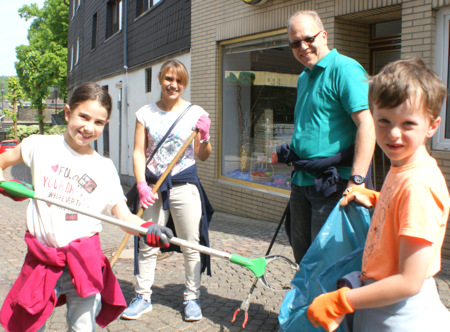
91 91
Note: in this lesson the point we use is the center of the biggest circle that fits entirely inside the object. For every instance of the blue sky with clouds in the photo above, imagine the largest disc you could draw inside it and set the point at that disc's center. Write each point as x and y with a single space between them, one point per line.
13 33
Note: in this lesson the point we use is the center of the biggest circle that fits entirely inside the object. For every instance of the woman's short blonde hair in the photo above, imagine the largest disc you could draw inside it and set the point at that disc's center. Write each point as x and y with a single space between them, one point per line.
179 69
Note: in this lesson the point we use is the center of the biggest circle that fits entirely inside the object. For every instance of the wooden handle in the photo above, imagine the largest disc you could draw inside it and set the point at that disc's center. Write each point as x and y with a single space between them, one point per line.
154 190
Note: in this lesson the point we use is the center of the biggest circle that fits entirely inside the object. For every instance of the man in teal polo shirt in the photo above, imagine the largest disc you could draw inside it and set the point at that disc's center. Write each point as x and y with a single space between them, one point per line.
331 115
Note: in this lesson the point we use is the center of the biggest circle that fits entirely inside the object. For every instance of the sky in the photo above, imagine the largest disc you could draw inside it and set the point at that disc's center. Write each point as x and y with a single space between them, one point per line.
13 32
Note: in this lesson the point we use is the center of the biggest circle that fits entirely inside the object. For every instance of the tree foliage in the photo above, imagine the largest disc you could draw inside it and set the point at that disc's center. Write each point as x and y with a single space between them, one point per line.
43 62
15 96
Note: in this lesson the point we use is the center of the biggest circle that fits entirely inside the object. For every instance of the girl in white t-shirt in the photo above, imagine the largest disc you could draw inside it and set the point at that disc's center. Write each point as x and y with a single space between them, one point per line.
64 255
184 201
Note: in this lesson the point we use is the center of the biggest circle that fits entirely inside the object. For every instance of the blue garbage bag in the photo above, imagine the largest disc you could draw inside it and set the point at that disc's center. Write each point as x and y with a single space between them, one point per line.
336 251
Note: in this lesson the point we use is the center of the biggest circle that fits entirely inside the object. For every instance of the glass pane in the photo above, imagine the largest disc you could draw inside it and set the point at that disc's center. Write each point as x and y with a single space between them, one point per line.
259 95
383 58
386 29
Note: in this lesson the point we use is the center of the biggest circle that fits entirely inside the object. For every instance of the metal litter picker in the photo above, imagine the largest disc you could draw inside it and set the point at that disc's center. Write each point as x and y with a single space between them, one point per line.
256 265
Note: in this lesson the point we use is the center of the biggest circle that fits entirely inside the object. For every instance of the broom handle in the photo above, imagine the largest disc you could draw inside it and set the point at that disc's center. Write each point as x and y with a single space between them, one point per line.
154 190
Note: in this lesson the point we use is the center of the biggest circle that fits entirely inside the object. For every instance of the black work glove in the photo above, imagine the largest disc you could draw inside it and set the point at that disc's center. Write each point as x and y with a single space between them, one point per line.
153 237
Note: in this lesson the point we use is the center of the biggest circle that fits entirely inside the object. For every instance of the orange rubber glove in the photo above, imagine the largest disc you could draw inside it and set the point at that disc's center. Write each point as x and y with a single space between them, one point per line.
363 196
329 309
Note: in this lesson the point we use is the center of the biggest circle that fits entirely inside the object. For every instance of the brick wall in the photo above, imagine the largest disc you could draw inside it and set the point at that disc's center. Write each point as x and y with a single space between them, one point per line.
210 25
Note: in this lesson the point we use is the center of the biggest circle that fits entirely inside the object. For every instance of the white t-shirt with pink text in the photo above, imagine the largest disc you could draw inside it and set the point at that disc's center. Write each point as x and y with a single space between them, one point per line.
89 182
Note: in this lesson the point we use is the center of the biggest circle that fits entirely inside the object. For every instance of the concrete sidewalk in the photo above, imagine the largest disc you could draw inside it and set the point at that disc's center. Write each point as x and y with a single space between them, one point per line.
222 293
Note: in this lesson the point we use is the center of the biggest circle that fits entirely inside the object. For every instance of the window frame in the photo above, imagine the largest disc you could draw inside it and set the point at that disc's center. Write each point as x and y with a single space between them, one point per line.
150 4
223 45
94 31
148 79
114 10
442 58
71 58
77 52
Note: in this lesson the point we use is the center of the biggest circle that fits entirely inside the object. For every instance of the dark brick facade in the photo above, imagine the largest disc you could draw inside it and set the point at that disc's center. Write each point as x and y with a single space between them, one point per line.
161 31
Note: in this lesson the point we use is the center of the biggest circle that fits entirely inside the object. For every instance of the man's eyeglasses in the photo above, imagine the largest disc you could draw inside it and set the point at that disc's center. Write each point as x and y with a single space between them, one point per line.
308 41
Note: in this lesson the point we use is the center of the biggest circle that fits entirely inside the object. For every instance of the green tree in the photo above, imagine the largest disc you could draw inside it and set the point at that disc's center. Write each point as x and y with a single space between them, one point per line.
43 62
15 96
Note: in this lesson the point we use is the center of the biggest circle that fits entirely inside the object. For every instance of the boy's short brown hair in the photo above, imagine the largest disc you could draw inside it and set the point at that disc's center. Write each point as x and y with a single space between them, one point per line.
406 79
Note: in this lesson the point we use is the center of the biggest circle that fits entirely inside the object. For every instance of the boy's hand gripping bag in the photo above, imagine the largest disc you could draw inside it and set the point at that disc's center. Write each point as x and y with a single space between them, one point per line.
336 251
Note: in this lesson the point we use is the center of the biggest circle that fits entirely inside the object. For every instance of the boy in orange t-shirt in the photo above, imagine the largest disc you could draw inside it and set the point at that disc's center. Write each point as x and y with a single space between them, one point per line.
403 246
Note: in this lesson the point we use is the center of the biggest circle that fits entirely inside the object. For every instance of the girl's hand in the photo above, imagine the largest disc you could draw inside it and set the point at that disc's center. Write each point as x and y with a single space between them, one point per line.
154 237
203 125
146 195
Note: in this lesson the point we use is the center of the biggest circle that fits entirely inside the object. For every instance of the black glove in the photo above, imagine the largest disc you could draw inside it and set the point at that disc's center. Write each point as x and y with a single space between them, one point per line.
153 237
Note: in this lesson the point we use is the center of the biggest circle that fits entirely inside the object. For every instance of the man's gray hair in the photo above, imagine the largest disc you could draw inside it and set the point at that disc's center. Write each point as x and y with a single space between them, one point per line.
311 13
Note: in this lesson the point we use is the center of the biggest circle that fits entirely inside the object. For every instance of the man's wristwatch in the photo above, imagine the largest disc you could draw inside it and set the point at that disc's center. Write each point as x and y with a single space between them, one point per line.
358 178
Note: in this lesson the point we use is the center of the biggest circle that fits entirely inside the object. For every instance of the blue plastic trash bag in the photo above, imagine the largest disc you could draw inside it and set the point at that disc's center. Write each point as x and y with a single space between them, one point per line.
336 251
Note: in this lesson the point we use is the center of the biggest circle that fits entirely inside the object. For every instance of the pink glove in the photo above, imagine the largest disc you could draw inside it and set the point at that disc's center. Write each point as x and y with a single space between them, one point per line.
145 194
203 124
329 309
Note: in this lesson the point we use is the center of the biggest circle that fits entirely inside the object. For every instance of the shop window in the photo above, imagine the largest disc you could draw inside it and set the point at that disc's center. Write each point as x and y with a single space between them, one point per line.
143 5
441 140
113 17
259 80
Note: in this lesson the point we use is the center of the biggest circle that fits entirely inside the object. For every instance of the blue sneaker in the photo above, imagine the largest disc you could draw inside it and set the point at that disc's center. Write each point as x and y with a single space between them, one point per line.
192 310
138 306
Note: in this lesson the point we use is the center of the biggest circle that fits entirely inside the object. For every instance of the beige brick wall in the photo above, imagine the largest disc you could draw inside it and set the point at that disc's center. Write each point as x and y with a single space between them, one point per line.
228 19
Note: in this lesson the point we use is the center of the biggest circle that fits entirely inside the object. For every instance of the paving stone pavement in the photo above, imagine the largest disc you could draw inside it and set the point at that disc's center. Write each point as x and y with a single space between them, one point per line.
222 293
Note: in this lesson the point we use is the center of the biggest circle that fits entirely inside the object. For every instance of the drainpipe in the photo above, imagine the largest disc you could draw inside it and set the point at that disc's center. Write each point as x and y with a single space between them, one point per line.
125 85
119 107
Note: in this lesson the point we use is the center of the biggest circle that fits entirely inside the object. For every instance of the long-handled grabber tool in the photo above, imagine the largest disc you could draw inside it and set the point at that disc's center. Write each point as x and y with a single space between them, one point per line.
256 265
246 303
154 190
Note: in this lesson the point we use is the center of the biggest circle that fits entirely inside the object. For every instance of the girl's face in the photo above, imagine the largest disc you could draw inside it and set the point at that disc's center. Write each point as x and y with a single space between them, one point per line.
171 86
84 125
402 131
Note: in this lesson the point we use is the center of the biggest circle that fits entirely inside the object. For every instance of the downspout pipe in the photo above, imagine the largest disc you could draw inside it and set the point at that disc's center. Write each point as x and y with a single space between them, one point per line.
124 103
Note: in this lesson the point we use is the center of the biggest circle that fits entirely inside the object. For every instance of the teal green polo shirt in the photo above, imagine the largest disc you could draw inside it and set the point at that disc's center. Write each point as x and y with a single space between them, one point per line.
327 95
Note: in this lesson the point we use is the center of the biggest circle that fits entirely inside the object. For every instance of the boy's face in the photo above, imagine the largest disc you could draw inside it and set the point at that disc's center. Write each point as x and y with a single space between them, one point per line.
402 131
84 125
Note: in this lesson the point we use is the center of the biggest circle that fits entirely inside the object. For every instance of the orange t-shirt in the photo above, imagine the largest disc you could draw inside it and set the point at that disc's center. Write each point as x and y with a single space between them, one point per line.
414 201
